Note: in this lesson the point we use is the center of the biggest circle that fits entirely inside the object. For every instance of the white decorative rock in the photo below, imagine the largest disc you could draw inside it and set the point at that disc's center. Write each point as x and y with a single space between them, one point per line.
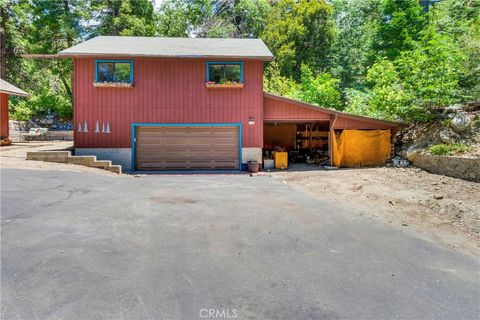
448 136
460 122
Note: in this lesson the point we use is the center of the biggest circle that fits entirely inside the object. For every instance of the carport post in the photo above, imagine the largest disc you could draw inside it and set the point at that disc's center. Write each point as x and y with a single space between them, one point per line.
331 135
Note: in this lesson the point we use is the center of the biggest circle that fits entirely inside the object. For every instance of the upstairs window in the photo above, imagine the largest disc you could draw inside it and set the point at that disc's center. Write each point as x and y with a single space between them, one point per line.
114 71
225 72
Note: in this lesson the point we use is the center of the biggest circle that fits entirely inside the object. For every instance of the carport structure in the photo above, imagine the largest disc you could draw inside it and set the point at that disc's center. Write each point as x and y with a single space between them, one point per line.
292 118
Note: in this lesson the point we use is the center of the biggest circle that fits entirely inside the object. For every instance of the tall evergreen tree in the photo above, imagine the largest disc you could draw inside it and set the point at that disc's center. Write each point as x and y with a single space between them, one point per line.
402 23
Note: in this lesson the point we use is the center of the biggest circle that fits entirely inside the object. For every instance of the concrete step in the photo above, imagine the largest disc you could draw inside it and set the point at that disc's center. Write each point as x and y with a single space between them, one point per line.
82 160
115 168
104 164
66 157
49 156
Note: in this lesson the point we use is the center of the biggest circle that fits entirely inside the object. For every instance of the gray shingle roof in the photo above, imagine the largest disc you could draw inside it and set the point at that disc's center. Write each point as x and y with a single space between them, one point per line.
9 88
170 48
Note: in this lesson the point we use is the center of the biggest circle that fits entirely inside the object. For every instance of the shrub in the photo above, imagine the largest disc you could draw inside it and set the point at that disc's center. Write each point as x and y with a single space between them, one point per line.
357 102
321 89
41 104
20 112
275 83
445 149
429 71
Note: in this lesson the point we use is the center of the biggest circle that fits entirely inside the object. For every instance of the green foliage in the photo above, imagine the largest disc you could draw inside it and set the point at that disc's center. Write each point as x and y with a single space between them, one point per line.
280 85
445 149
173 20
386 98
402 23
430 71
41 27
469 75
321 89
446 122
389 99
454 17
212 18
460 21
20 111
124 18
41 104
412 87
55 25
249 17
299 32
357 102
426 67
357 23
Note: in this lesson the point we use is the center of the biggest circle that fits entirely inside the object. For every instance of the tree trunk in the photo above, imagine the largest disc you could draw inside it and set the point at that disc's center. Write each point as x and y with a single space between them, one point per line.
66 8
3 48
67 86
69 39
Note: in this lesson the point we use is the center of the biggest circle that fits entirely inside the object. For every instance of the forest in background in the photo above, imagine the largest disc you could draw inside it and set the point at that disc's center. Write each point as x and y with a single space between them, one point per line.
389 59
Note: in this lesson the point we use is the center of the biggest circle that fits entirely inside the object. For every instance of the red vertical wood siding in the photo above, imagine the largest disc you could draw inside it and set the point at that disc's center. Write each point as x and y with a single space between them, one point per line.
4 115
165 91
282 110
277 110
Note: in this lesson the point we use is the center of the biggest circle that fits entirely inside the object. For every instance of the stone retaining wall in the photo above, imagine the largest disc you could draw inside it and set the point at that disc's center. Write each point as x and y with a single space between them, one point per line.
457 167
50 136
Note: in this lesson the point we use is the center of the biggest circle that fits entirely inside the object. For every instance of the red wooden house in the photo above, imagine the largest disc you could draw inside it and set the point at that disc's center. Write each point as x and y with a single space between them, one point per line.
182 103
6 90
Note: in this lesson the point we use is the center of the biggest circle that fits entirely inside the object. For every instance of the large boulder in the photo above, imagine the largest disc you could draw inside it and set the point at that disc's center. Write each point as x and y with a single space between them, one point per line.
460 122
412 153
448 136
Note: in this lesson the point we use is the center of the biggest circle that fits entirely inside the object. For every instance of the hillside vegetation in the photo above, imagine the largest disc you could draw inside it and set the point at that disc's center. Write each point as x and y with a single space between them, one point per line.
388 59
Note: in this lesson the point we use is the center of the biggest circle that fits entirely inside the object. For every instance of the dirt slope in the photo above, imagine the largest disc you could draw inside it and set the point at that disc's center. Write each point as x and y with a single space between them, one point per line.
441 209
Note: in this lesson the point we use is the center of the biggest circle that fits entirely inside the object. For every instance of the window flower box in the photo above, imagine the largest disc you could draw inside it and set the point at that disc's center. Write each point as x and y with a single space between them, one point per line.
226 85
112 85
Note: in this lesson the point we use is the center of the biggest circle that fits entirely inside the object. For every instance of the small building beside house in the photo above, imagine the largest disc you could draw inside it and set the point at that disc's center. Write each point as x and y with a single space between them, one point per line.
151 103
6 90
320 135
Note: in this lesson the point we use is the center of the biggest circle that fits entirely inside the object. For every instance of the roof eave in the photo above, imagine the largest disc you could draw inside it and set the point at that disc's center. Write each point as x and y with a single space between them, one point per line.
10 89
15 93
159 56
333 112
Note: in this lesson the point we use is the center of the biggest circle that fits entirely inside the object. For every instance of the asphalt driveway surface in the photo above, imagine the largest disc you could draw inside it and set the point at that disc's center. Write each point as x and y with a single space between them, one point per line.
87 246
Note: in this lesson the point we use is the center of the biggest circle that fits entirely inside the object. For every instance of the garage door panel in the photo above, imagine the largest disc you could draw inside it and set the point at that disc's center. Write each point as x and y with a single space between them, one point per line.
192 141
152 149
184 147
188 157
188 165
225 158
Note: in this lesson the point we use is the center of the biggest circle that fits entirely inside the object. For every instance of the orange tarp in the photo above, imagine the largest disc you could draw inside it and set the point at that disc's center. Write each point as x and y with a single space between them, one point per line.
358 148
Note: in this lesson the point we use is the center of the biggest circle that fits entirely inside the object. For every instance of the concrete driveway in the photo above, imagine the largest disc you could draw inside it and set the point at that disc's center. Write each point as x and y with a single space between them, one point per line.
79 245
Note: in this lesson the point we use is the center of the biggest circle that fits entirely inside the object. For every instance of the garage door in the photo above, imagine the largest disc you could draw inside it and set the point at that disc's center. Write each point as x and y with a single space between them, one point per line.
187 148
